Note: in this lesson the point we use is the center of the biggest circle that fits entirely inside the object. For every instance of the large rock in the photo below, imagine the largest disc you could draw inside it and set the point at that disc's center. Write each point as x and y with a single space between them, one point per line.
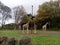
25 41
11 41
3 40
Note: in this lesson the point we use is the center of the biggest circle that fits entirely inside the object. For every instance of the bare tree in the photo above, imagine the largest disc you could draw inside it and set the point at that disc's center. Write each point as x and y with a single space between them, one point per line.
19 12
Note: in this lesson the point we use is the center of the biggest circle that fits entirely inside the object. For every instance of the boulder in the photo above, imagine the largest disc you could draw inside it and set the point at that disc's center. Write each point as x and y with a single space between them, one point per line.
3 40
11 41
25 41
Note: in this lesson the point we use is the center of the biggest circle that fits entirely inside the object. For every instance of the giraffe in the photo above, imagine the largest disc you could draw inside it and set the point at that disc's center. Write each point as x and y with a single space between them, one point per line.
44 26
26 26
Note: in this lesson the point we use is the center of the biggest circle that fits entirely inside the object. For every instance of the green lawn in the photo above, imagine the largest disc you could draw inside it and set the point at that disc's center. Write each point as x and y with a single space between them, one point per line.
42 37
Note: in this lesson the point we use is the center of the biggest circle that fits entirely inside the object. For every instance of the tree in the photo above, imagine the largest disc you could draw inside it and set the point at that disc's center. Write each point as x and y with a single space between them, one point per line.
25 19
5 10
49 10
19 12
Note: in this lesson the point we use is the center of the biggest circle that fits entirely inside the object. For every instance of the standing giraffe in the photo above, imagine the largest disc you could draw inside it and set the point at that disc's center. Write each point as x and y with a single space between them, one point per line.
44 26
26 26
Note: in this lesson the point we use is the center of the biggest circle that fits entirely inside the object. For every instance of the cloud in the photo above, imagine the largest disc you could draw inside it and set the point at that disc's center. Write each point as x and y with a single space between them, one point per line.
26 3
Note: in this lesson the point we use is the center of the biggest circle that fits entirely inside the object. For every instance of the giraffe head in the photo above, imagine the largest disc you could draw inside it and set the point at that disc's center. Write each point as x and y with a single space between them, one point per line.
47 23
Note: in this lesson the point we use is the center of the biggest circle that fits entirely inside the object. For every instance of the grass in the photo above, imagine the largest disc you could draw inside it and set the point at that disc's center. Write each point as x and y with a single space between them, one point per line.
42 37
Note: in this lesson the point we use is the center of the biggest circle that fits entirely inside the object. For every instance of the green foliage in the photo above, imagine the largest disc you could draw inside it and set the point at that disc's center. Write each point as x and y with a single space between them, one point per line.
49 10
9 26
25 19
45 10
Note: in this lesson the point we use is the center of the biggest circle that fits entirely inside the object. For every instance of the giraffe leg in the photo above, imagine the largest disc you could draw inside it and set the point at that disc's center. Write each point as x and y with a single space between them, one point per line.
35 30
23 30
45 28
27 31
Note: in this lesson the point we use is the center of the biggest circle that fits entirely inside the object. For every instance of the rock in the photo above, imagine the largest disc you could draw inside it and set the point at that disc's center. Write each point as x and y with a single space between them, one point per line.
25 41
11 41
3 40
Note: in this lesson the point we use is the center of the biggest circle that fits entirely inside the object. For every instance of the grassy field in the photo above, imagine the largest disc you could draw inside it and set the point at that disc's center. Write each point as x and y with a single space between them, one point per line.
42 37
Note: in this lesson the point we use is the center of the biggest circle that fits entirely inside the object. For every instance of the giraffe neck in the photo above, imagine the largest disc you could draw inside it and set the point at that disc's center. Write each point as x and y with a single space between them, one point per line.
46 23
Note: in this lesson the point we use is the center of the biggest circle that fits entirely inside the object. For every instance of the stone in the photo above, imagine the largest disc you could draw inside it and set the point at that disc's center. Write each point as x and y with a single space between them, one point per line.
25 41
11 41
3 40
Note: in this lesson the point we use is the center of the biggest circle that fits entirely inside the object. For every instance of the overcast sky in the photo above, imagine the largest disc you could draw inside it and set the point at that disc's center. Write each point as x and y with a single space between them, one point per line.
26 3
